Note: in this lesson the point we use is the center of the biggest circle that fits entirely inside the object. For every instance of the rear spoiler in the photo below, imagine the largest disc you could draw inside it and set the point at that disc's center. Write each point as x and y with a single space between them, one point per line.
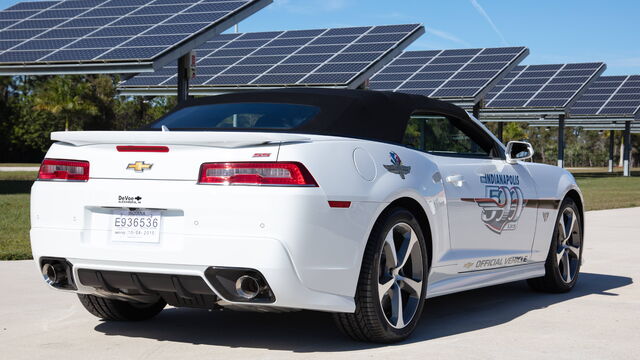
197 138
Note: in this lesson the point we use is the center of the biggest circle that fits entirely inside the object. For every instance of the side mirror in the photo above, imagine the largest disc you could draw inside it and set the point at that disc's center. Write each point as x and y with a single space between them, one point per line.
518 150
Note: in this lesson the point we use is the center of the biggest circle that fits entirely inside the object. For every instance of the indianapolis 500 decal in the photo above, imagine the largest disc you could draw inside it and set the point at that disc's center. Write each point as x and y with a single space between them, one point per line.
503 202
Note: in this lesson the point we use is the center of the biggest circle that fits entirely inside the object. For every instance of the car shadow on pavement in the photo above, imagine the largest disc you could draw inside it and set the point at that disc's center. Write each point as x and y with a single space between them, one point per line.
315 332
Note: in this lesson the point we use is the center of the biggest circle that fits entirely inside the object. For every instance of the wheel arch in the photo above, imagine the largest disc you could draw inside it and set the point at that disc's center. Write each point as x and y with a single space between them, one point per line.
574 195
421 215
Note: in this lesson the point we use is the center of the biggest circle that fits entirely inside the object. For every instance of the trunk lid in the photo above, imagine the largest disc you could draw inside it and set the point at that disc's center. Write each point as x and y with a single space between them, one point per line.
187 151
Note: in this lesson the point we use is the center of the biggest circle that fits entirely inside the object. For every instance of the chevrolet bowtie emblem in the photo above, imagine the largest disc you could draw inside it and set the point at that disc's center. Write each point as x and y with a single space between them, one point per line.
139 166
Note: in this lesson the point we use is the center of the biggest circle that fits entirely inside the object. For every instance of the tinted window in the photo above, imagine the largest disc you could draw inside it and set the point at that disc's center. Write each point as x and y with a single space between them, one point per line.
238 116
440 135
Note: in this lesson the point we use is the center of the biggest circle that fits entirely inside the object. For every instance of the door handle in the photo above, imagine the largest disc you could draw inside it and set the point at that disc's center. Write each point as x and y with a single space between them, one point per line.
455 180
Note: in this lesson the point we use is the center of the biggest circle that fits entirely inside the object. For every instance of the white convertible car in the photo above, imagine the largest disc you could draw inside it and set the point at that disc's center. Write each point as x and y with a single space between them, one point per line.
354 202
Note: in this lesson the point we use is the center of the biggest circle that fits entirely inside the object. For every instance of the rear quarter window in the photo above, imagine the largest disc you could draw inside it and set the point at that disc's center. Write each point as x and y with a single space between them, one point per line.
441 135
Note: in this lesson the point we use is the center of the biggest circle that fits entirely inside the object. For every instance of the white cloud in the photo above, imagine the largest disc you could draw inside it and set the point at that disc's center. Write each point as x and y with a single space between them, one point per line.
625 62
447 36
393 15
309 6
486 16
333 5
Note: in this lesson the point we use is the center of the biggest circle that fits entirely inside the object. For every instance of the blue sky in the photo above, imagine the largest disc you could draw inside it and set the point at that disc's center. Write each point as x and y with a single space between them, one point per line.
556 31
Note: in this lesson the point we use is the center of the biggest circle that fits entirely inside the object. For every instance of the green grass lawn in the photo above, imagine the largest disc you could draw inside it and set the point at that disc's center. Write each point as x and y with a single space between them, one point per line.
601 191
14 218
597 170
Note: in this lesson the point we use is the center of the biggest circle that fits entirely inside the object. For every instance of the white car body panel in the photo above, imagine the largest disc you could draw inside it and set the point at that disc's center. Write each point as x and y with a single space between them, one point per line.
310 253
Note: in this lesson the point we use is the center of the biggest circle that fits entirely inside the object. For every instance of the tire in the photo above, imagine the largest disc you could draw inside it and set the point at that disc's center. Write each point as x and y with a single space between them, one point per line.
376 318
562 266
118 310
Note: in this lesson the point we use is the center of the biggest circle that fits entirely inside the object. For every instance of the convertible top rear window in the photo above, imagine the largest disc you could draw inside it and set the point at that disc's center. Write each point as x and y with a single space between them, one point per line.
276 116
364 114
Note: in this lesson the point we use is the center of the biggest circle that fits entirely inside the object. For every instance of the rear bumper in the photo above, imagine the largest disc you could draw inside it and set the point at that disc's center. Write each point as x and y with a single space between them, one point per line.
268 256
309 253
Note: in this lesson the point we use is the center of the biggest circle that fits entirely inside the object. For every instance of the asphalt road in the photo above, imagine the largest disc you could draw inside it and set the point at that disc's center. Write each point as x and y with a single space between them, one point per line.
599 319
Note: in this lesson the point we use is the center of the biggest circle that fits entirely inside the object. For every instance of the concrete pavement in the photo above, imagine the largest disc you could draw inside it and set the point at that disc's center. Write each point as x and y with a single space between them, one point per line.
18 168
599 319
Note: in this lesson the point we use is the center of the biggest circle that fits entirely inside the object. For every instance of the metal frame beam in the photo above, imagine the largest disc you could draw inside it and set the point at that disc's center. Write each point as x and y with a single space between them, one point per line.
513 115
79 68
635 126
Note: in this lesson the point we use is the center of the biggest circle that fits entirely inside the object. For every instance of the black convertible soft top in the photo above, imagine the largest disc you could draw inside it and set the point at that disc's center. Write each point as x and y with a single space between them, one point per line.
374 115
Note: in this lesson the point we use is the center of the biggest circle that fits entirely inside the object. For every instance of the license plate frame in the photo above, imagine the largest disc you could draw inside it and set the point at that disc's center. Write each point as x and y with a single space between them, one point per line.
136 226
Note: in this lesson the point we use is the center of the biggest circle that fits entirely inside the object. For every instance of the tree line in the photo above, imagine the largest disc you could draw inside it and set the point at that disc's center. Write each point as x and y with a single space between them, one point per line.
583 148
31 107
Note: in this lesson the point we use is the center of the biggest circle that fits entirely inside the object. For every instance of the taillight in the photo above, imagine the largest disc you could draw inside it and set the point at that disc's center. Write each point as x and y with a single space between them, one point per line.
261 173
70 170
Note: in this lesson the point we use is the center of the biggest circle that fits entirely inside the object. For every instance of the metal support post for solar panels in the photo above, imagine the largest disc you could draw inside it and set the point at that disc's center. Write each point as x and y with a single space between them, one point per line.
500 130
561 140
423 135
612 140
476 110
183 78
476 114
627 148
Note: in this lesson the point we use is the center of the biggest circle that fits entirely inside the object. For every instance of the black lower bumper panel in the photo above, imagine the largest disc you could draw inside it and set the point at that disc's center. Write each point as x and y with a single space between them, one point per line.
176 290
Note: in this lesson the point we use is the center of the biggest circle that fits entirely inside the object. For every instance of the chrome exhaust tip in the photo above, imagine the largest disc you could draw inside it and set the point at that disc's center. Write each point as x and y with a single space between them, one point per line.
248 287
240 285
54 274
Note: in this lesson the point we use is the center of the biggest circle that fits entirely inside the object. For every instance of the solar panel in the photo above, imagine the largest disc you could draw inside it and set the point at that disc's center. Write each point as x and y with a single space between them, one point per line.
340 57
35 37
448 74
610 96
543 86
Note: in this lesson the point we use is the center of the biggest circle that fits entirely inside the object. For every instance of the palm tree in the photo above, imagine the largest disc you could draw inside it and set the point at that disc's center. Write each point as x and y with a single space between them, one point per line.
65 96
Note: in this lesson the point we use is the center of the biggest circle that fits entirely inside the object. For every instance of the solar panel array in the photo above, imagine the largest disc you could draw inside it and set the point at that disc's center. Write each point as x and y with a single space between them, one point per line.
105 30
610 96
543 86
460 73
279 58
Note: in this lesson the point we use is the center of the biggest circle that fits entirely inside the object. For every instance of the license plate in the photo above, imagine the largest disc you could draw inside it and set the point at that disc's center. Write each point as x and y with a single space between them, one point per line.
142 226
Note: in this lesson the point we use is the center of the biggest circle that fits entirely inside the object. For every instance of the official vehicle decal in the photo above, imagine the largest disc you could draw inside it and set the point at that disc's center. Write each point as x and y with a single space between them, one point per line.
139 166
396 166
503 202
493 263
